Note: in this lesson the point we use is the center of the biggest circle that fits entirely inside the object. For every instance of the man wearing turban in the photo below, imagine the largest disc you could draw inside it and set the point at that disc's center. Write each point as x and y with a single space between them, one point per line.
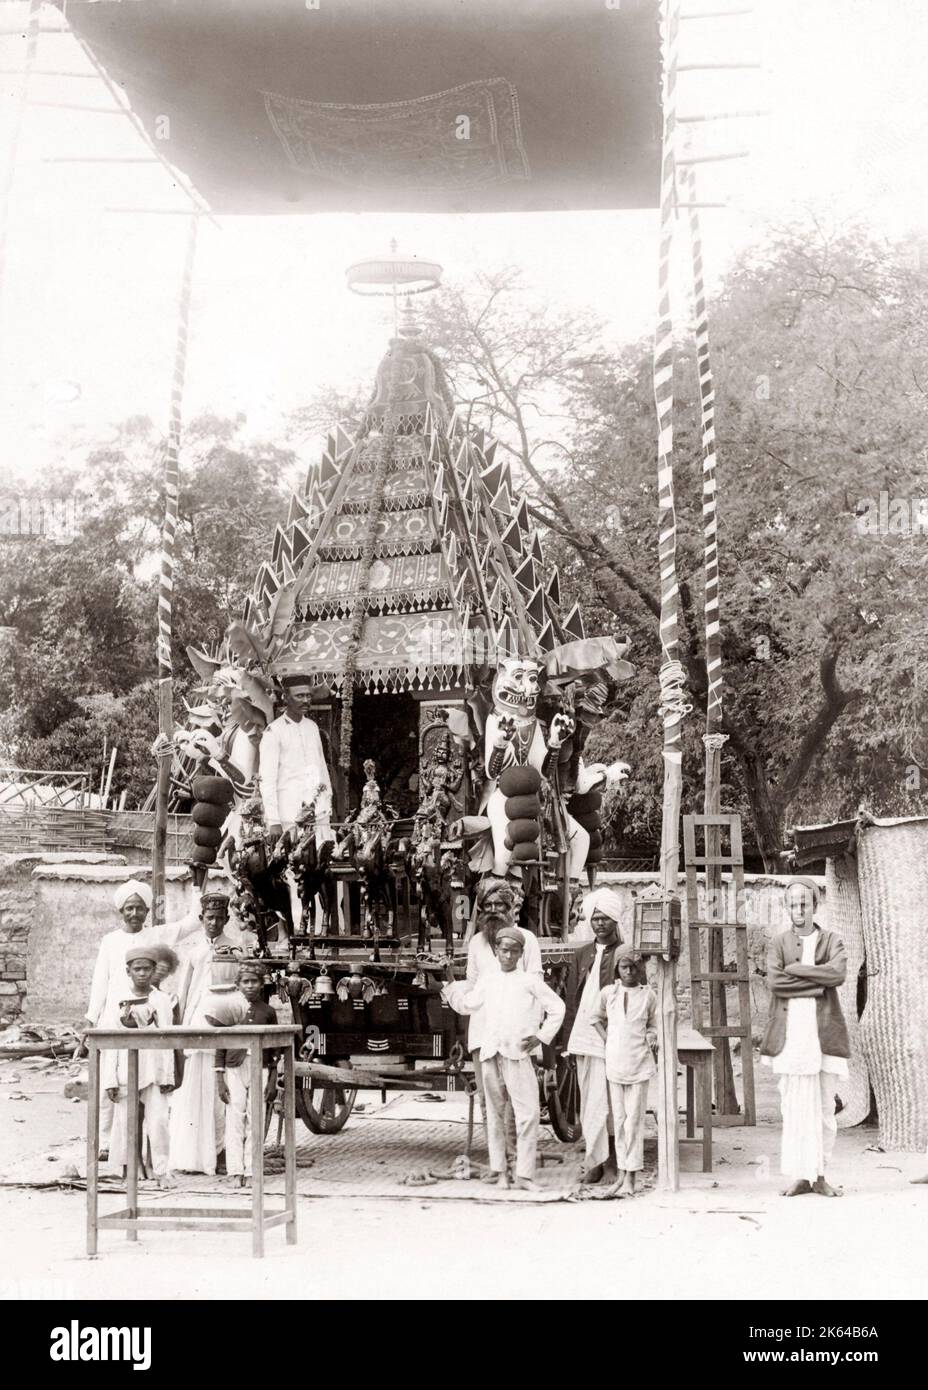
133 903
592 969
197 1116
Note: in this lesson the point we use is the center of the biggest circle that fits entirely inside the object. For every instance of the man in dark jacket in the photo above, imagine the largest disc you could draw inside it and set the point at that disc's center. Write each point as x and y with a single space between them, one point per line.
806 1038
592 969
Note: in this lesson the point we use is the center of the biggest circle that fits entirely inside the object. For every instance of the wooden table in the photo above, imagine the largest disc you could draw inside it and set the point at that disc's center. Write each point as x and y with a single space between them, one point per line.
695 1053
254 1038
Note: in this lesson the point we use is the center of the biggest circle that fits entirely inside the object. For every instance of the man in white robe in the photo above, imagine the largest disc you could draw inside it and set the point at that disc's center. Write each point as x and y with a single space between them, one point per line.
197 1115
133 903
196 938
593 969
292 772
806 1041
292 767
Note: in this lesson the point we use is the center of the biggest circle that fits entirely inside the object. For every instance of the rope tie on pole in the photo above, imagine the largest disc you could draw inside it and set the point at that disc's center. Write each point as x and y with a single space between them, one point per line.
714 742
673 703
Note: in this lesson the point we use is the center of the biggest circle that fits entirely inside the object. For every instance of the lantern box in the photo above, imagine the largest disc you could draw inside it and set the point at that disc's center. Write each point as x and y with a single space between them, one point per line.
656 929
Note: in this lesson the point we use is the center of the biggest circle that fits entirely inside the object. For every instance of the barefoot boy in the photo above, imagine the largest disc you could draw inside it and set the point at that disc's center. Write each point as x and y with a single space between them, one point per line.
628 1011
233 1076
513 1002
142 1006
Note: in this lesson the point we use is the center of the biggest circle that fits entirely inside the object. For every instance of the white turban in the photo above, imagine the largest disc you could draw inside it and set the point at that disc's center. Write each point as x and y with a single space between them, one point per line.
604 900
134 888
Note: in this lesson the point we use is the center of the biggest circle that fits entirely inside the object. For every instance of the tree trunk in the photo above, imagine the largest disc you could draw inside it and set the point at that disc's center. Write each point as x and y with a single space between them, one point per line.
766 812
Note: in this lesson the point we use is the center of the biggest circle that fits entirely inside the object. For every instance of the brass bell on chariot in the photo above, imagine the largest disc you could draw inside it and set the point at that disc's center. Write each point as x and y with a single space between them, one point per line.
324 987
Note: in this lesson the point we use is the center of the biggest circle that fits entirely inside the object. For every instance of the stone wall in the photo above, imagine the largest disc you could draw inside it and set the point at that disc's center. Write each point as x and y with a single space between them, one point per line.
763 911
70 907
16 916
55 908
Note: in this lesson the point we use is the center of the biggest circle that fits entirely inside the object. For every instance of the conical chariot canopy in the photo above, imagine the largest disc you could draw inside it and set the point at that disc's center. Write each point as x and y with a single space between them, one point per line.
397 566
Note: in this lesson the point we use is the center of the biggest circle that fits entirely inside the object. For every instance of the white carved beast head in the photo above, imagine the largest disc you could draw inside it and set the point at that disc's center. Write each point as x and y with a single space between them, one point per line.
516 686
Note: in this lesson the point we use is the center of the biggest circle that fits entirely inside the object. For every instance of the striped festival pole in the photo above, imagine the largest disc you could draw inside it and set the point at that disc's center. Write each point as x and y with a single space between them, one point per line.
709 485
164 747
725 1097
672 706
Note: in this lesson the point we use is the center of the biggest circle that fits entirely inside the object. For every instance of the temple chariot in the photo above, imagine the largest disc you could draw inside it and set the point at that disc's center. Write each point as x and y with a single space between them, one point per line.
408 609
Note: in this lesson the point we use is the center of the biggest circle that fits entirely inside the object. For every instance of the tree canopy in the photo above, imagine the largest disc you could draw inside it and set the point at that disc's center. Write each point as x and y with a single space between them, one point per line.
81 662
820 360
819 345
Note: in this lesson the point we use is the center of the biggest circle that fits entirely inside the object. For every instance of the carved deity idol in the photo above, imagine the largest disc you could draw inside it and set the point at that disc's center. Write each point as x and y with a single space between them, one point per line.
514 737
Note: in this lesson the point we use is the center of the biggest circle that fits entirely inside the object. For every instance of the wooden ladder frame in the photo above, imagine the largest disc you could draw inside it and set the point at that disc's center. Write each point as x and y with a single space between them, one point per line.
741 976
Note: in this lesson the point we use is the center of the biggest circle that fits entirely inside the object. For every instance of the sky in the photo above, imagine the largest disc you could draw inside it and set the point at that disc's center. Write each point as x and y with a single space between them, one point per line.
87 317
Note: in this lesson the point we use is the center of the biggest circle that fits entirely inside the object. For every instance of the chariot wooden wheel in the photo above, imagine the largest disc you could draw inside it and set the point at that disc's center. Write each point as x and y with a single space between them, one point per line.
324 1110
562 1095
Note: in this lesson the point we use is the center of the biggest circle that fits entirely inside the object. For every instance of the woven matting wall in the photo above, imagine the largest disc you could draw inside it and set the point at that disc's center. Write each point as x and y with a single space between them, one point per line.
892 869
843 898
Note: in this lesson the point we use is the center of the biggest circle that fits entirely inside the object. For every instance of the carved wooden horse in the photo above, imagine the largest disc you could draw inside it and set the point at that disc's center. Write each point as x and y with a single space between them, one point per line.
370 855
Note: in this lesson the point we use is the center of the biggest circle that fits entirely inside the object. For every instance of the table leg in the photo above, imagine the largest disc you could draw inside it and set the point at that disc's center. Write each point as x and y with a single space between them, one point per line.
290 1142
706 1070
257 1149
93 1143
690 1102
132 1142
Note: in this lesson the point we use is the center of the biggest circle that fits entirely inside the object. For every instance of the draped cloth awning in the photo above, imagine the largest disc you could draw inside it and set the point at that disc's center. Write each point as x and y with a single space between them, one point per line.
397 652
384 105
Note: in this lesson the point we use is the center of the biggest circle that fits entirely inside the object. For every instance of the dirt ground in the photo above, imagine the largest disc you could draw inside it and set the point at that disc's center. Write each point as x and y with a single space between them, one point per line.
364 1235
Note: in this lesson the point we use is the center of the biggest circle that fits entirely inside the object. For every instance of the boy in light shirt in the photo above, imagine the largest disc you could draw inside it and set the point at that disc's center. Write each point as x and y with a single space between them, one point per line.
626 1012
512 1001
233 1068
142 1006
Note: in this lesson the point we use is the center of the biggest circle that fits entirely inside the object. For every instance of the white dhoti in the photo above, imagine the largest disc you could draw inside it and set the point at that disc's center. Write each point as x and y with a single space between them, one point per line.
238 1117
197 1117
156 1109
595 1114
807 1079
810 1128
629 1106
511 1078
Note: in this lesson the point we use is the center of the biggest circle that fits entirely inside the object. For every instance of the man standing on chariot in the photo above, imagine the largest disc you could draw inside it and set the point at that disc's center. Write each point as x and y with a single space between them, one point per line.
292 764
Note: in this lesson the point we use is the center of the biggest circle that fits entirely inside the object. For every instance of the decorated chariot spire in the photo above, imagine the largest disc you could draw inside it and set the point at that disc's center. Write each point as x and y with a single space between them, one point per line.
409 555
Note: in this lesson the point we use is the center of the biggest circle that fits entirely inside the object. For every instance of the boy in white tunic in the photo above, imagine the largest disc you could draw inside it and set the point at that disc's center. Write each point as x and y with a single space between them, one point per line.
142 1006
628 1010
233 1068
512 1001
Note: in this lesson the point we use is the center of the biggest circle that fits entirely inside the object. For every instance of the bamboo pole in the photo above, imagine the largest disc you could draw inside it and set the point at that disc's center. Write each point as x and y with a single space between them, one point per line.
164 746
109 779
672 707
713 739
